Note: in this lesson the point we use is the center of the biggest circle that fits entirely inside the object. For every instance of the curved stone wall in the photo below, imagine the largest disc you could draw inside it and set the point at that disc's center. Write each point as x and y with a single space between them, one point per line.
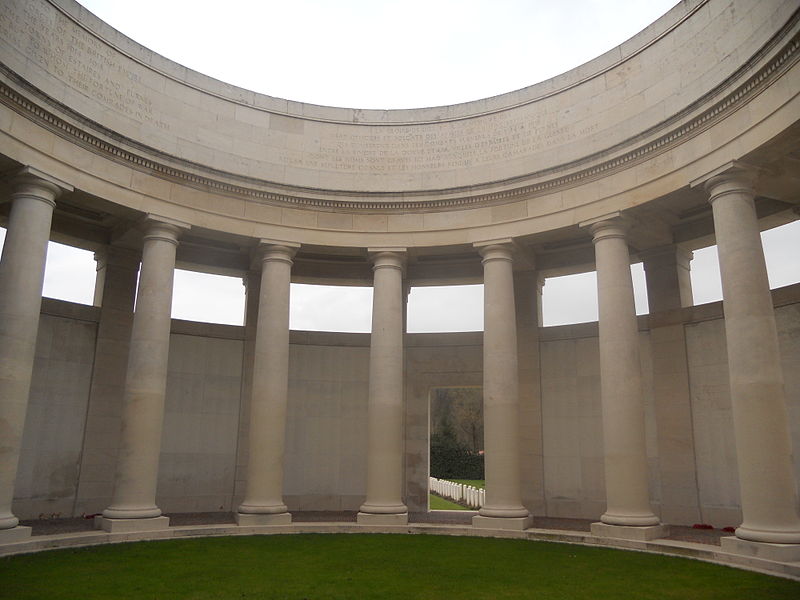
68 464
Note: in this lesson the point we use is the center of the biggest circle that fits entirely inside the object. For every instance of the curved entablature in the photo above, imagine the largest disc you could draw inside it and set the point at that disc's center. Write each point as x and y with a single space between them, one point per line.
638 123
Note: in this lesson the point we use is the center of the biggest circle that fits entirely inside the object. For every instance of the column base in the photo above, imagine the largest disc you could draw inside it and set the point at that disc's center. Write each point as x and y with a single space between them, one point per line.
510 523
363 518
260 519
766 550
630 532
131 525
15 534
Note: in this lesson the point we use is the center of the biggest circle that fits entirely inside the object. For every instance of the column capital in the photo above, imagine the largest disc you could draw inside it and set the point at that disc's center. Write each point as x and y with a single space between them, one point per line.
733 177
163 228
391 257
276 250
499 249
33 183
614 225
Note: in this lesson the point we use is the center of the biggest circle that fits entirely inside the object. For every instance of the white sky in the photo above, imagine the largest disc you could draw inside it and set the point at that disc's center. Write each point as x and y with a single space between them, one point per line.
388 54
380 53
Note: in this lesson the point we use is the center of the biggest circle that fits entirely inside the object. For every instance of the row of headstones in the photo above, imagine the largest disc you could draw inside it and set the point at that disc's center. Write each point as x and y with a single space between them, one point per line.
469 495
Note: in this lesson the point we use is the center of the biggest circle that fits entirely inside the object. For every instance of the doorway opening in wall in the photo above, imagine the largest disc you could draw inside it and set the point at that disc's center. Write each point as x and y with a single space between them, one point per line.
456 449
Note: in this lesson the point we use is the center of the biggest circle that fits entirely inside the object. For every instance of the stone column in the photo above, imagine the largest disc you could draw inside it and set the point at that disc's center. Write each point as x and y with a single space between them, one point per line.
669 288
758 401
384 503
21 279
263 501
501 414
133 506
528 303
252 285
115 293
628 512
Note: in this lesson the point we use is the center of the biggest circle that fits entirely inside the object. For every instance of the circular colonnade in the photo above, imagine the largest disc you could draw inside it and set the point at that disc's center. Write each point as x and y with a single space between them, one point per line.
684 134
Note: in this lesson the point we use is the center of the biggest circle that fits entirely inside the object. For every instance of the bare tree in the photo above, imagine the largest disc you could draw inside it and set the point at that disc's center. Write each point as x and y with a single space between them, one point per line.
459 409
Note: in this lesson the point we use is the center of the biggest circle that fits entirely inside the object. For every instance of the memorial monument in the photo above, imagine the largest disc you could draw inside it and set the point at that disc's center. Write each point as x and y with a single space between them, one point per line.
687 134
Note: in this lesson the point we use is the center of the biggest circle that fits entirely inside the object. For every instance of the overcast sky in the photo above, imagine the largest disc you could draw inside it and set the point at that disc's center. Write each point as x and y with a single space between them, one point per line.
379 53
388 54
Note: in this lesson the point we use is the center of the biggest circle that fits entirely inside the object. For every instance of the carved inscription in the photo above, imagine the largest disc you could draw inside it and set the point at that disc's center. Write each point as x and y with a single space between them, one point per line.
49 39
440 147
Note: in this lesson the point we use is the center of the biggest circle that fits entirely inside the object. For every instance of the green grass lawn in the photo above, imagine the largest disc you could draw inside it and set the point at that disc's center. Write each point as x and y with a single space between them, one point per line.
356 566
439 503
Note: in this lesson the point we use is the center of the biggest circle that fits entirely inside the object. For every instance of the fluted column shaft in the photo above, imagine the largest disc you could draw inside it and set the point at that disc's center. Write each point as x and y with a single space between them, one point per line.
500 386
625 451
385 412
146 378
269 398
758 398
21 279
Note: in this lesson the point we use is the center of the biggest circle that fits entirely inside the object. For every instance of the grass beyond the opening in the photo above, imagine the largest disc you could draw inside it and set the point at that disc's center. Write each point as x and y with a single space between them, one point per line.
372 566
439 503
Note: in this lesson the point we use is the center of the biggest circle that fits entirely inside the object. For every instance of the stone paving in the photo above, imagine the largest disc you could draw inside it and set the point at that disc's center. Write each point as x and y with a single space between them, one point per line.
78 524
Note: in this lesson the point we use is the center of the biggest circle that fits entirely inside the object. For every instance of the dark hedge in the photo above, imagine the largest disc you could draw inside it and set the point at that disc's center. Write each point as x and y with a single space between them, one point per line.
453 460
